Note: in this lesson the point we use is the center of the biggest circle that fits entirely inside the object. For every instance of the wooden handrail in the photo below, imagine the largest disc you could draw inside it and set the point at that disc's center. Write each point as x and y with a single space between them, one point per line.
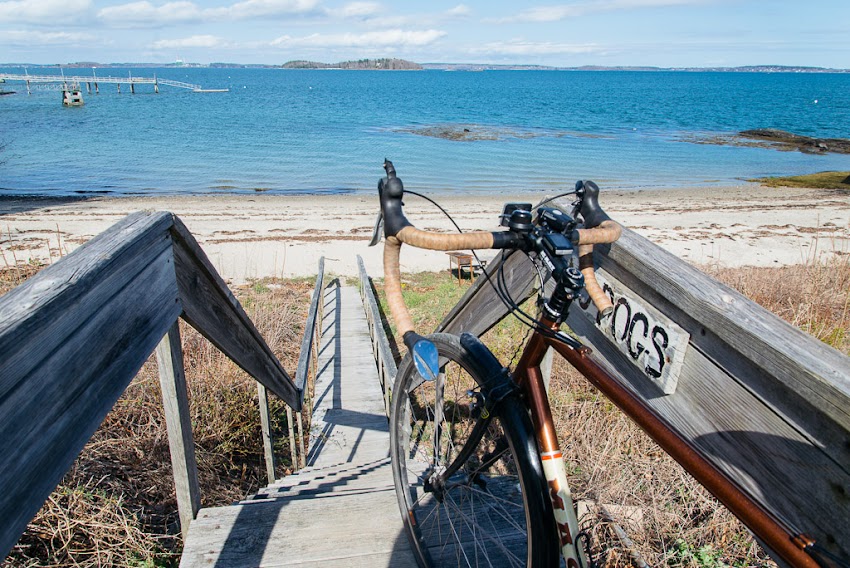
380 344
766 404
305 356
307 360
74 336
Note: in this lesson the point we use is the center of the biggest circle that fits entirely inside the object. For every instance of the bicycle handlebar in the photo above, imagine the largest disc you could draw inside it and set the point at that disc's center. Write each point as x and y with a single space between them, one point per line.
397 230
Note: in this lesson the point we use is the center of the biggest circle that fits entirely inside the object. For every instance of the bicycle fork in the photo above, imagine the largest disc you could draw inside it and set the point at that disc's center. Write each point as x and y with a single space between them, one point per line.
530 379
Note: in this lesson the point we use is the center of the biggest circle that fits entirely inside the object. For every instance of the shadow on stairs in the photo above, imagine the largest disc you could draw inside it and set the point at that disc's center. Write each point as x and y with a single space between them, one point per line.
341 509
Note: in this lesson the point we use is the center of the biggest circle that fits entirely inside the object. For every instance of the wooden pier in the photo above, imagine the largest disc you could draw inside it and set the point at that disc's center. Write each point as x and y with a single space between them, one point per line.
93 82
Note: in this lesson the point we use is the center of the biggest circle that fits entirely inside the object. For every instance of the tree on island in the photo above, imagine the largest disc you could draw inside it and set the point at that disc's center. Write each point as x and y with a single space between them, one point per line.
377 64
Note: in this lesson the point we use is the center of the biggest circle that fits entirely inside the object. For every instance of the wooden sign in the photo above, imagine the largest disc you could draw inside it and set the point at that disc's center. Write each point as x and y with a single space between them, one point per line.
765 403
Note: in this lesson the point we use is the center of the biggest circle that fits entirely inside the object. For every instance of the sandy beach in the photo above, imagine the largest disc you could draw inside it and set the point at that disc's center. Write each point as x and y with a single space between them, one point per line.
256 236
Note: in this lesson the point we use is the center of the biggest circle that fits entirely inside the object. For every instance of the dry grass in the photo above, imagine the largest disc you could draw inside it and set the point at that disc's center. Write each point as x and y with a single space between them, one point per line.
813 297
671 519
820 180
116 506
674 521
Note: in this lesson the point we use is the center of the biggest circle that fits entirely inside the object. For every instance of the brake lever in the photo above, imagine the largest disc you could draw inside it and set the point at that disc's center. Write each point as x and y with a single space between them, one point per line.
378 230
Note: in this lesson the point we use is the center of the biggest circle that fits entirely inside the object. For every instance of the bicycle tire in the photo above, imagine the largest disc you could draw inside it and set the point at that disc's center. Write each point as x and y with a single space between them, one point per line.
500 516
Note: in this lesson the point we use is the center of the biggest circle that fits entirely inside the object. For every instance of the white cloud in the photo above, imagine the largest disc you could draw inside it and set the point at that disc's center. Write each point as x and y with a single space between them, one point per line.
459 10
522 47
383 39
43 11
144 13
32 38
262 8
381 17
357 10
564 11
206 41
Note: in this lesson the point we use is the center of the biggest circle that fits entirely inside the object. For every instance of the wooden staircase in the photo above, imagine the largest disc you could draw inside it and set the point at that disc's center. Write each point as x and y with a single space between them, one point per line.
340 510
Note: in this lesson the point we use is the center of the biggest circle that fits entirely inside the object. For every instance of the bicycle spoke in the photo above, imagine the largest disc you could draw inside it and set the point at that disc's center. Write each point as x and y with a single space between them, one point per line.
461 474
492 536
504 513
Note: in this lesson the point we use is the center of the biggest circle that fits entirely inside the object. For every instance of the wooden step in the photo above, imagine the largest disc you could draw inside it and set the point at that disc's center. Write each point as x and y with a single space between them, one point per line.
341 510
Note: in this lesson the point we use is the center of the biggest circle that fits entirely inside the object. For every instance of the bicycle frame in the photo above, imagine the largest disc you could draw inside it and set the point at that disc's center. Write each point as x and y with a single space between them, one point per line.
527 375
794 549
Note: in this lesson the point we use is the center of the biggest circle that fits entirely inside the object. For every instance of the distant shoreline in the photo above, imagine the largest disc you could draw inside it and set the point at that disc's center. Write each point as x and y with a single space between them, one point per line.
257 237
438 67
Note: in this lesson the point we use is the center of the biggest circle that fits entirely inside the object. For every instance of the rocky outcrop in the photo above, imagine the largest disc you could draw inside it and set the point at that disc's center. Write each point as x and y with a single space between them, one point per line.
790 141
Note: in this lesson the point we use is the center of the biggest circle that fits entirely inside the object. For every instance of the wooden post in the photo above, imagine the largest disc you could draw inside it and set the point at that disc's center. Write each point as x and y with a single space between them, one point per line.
88 87
292 451
132 88
300 424
96 89
175 400
155 84
266 426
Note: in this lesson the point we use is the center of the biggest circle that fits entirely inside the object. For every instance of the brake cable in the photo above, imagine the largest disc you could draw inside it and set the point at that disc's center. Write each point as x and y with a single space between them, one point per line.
503 293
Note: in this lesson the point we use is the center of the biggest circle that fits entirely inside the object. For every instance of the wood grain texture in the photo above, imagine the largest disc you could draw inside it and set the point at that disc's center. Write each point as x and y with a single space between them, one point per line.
341 510
211 308
305 356
381 349
72 338
178 420
482 307
266 430
766 403
751 394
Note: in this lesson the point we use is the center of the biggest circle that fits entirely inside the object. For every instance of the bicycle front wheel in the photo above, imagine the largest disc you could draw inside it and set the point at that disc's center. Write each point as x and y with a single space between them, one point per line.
494 510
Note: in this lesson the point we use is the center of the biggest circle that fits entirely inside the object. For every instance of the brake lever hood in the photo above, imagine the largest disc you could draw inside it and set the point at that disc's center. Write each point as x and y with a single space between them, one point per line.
378 230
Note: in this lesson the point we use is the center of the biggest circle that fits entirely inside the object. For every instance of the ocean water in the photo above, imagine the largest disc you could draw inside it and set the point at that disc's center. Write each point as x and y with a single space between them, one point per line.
322 131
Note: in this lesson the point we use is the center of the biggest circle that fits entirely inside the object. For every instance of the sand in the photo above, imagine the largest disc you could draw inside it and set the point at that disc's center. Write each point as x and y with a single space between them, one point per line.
248 237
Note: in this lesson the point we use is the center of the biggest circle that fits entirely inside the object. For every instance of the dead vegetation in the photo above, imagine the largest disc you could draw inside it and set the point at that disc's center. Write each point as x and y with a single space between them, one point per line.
116 505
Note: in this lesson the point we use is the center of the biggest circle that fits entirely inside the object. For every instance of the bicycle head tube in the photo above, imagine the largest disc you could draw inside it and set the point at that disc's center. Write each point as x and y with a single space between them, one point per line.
391 192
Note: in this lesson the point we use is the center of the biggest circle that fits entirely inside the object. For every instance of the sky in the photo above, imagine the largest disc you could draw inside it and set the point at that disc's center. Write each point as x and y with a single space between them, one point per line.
663 33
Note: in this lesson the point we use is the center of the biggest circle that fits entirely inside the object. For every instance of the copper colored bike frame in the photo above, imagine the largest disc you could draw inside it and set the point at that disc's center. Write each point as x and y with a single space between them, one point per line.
528 376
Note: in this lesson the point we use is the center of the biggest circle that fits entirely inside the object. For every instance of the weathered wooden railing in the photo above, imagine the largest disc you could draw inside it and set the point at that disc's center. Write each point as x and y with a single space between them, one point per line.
305 376
75 335
767 405
308 363
380 344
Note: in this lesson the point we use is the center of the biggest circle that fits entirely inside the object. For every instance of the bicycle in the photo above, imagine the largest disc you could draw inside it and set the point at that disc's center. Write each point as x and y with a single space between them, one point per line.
478 472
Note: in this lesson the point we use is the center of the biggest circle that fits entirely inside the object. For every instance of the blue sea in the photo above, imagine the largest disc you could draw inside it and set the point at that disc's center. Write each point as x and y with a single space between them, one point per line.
328 131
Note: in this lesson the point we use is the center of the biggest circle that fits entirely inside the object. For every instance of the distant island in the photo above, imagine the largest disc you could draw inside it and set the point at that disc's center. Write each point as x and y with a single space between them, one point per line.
380 64
404 65
742 69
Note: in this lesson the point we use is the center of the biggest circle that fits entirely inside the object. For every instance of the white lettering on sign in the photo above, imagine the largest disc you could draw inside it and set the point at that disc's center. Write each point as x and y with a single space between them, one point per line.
650 340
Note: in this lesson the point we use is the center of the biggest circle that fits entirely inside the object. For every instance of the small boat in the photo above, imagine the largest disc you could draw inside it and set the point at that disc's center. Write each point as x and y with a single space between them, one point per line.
6 93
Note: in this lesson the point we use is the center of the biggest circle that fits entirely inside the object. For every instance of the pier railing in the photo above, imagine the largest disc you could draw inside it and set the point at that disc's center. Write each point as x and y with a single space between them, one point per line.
380 344
63 81
75 335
